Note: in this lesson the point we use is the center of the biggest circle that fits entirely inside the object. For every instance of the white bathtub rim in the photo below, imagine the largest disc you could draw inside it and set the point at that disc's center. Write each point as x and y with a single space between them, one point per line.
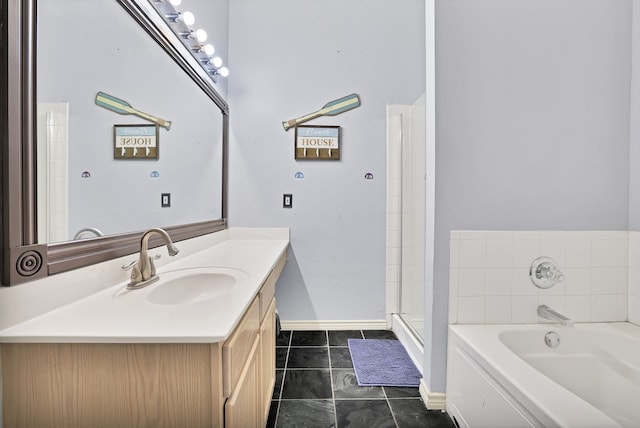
547 401
538 395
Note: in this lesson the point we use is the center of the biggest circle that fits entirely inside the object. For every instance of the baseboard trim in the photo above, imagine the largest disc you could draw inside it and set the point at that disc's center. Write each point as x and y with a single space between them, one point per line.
432 400
334 325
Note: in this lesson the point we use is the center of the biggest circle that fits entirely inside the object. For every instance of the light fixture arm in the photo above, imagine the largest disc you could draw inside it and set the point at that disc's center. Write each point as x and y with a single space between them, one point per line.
179 23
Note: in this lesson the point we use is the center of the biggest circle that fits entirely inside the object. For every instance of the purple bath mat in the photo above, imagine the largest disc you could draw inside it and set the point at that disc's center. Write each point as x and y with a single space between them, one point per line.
380 362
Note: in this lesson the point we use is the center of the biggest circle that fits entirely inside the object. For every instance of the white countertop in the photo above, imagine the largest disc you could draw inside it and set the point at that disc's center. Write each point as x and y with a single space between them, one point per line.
116 315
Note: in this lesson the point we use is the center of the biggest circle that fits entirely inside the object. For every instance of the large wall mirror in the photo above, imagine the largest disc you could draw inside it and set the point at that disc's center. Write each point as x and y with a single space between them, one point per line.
83 177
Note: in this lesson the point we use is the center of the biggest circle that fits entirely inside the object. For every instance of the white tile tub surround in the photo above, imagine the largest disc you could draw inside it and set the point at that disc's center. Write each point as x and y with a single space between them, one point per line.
490 284
634 277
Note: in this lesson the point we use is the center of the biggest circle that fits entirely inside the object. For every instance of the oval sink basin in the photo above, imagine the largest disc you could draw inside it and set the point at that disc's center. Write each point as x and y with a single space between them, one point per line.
193 285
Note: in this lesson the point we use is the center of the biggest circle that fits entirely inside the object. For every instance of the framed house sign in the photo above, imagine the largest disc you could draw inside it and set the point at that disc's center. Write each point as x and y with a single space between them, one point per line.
317 142
135 142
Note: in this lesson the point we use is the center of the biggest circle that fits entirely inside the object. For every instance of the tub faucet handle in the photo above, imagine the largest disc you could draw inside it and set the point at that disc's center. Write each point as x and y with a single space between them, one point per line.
551 272
545 273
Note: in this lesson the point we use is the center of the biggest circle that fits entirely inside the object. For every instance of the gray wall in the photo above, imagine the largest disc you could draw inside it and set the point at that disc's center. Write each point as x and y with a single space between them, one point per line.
532 123
289 58
634 137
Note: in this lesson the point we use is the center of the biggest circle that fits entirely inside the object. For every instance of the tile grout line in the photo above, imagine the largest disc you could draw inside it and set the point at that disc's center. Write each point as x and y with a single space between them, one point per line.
284 372
333 395
393 415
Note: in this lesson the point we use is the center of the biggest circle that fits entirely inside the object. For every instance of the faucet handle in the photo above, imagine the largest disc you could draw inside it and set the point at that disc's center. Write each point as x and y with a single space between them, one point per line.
152 267
129 266
544 272
136 275
549 271
133 263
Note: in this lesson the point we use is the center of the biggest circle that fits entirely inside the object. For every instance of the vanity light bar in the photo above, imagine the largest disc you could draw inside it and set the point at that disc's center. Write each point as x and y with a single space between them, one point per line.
166 10
175 20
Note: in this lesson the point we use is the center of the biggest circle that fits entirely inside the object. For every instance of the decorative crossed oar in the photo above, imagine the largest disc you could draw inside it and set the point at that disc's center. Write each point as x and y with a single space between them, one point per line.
122 107
329 109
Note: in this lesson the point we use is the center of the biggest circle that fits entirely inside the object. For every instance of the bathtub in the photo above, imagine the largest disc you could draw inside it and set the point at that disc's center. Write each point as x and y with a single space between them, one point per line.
508 376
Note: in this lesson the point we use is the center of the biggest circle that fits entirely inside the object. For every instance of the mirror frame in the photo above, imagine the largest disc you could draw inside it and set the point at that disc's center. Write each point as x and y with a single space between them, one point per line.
23 259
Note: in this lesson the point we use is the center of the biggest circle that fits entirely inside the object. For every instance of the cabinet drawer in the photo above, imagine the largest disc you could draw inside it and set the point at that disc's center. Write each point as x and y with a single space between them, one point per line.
268 290
237 348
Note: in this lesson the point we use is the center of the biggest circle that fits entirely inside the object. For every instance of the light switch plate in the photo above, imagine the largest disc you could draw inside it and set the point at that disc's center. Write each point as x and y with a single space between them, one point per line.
287 200
165 200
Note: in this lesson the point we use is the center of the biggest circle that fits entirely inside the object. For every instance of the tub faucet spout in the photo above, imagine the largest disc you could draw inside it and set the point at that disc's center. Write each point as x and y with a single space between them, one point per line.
547 313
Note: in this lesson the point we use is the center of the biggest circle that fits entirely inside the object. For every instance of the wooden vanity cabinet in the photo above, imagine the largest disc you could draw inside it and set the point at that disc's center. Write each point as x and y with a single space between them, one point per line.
122 385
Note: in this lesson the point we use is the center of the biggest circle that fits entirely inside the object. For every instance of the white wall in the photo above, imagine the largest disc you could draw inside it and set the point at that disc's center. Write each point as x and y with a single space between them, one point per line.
532 124
288 58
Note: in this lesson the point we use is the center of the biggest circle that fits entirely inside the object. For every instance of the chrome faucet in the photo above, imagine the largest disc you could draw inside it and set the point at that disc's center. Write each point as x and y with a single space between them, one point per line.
547 313
144 271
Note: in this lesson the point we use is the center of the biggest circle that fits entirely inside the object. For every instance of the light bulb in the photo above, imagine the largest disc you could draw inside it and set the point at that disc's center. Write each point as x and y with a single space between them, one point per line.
209 49
175 2
223 71
188 18
201 35
217 61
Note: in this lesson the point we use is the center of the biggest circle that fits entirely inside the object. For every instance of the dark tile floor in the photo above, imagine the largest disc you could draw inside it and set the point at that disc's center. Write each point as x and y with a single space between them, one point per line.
317 387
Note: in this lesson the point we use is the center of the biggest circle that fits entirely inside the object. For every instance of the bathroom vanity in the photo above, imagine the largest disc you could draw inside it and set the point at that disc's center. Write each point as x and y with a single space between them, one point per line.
118 358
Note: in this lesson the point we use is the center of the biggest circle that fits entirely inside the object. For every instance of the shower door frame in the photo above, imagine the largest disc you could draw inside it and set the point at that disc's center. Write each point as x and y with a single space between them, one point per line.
399 123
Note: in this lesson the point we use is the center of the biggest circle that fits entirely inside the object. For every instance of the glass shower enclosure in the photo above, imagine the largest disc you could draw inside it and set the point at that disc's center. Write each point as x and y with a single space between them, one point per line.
407 211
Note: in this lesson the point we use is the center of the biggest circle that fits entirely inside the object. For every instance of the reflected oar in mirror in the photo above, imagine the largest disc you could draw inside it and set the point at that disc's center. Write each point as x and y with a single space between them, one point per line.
122 107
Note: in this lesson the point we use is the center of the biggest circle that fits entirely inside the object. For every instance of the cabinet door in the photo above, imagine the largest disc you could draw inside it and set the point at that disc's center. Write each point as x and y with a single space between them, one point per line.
243 409
267 359
236 349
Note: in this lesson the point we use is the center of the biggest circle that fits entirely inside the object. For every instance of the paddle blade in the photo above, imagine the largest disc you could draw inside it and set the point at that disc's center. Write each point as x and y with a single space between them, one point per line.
341 105
112 103
329 109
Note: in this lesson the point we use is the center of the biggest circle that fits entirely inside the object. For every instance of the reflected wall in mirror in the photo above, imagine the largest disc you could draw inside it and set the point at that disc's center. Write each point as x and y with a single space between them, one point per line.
86 47
60 180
